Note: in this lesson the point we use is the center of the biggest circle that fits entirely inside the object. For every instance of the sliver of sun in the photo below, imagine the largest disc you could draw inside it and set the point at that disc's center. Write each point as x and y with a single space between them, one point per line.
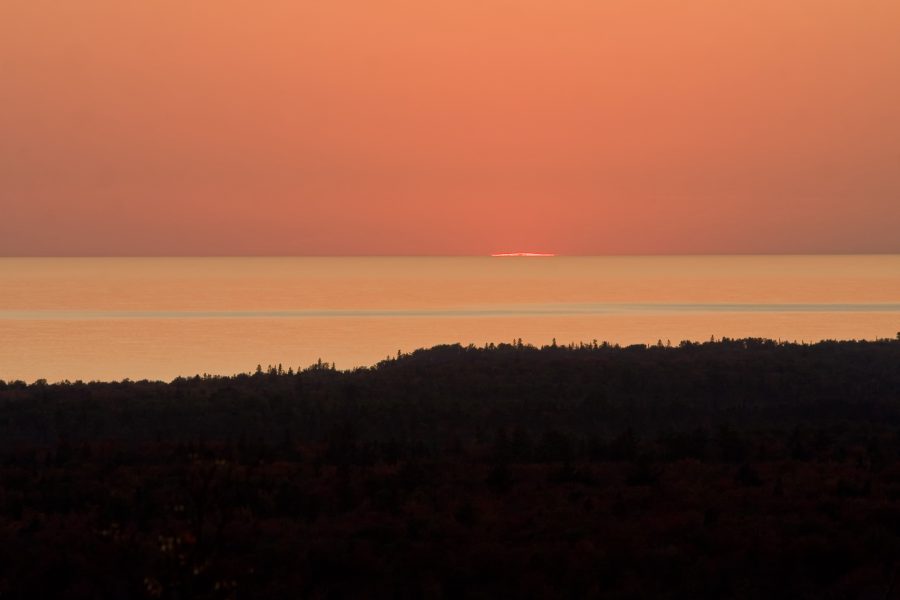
523 254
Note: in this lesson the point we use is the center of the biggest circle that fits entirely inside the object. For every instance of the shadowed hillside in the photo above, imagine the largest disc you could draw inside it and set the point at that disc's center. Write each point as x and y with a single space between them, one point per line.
734 468
453 394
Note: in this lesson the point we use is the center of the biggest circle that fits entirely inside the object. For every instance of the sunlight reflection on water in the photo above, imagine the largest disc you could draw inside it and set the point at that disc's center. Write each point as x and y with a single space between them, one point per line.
158 318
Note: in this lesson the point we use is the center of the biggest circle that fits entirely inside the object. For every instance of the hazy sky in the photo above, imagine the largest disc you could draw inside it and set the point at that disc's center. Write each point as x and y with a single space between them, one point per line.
449 127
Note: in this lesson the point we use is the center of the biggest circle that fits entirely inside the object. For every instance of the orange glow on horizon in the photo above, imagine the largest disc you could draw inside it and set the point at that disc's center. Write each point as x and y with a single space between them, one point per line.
449 127
523 254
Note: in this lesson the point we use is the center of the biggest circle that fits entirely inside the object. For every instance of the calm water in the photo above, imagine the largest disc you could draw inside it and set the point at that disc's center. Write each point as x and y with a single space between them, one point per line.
159 318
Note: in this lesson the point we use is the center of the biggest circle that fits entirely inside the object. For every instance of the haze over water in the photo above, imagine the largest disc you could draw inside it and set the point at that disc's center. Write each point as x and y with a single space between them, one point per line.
157 318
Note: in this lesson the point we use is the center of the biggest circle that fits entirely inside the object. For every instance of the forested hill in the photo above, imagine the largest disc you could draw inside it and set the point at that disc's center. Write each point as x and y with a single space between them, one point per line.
452 395
735 469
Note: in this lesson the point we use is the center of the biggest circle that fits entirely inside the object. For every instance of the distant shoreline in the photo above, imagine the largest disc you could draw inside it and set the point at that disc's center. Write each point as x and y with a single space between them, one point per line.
501 347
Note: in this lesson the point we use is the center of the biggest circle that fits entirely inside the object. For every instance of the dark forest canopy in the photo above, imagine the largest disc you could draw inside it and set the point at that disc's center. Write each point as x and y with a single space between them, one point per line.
729 469
453 394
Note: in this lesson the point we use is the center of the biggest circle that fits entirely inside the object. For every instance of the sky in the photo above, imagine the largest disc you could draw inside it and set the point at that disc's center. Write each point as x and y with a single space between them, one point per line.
395 127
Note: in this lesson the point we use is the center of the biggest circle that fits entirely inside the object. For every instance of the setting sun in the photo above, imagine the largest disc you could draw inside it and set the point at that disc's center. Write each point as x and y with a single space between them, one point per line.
250 345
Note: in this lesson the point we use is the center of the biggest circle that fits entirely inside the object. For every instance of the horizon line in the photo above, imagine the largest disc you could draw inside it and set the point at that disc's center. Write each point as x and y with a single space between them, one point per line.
491 255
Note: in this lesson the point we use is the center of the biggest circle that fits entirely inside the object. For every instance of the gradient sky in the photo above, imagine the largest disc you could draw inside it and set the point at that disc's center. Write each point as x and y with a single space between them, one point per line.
227 127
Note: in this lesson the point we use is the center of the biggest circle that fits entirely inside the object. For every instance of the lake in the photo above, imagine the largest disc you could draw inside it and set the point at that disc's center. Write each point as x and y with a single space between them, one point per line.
158 318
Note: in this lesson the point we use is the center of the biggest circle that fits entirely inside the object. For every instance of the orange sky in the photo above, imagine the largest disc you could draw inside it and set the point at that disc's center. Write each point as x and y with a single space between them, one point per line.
449 127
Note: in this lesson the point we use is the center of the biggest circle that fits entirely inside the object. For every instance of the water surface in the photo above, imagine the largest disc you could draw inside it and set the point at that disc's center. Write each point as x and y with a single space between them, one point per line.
110 318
